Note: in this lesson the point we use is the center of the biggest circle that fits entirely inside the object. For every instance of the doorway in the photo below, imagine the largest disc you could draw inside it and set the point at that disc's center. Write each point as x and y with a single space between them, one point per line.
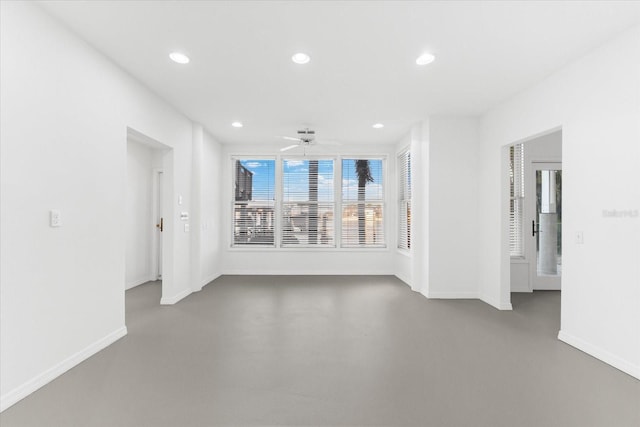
535 169
149 246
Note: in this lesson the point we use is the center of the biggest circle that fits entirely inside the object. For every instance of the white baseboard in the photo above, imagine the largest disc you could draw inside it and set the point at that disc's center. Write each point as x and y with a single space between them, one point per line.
174 299
205 281
600 354
12 397
138 282
404 278
452 295
209 279
303 273
495 303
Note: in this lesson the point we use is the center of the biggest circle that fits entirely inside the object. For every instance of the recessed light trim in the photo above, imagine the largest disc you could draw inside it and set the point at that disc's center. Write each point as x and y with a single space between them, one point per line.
378 126
300 58
237 124
178 57
425 58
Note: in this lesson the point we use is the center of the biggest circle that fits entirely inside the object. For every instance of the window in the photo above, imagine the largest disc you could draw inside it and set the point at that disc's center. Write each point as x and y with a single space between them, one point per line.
516 205
254 202
404 196
362 203
307 203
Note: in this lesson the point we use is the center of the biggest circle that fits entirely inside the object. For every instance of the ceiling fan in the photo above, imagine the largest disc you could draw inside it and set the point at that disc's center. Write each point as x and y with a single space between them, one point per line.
306 138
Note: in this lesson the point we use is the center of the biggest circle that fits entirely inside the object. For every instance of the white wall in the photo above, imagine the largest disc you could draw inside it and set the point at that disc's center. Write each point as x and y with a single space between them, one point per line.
309 260
65 110
442 262
545 148
596 102
211 210
453 223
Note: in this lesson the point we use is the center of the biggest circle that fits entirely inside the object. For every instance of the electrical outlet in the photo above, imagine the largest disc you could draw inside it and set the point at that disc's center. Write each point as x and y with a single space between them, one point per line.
55 219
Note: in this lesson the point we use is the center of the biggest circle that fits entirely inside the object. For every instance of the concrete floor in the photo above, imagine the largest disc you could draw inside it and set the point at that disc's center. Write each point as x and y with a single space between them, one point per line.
334 351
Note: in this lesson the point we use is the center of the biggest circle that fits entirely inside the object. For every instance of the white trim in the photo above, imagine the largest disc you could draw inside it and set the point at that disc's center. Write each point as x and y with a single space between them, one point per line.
452 295
306 273
600 354
12 397
496 304
174 299
404 278
138 282
209 279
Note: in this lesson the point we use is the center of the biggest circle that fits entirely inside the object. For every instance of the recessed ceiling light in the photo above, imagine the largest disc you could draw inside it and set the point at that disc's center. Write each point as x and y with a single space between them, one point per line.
178 57
300 58
425 58
378 126
237 124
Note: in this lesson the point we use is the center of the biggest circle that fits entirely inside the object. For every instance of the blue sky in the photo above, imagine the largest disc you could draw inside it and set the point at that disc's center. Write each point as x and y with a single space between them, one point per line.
264 178
296 179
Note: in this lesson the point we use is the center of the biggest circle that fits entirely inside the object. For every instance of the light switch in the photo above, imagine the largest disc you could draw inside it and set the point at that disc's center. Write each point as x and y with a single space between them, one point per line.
579 238
55 219
180 200
186 228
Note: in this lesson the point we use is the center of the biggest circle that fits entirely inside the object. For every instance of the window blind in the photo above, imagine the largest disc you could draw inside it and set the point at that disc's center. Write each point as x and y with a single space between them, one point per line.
308 203
362 203
404 193
516 205
254 202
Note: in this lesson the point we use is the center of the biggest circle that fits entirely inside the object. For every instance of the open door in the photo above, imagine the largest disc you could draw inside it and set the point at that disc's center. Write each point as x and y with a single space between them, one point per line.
545 222
159 224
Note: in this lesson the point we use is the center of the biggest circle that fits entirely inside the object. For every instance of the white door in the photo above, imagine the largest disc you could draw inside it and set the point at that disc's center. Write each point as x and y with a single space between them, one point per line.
545 226
159 221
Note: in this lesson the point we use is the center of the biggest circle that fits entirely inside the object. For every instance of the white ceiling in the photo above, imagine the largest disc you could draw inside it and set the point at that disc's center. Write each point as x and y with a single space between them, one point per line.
362 68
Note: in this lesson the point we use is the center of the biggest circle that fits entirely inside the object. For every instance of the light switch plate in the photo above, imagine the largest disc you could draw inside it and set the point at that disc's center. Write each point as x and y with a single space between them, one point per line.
579 238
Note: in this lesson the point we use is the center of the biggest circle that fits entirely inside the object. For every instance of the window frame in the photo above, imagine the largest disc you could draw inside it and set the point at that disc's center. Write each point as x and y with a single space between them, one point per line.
337 171
280 213
403 172
517 193
382 202
231 231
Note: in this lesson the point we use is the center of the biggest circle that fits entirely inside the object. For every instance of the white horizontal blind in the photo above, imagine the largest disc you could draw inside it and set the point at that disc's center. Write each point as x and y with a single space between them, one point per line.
516 205
362 203
254 202
404 192
308 203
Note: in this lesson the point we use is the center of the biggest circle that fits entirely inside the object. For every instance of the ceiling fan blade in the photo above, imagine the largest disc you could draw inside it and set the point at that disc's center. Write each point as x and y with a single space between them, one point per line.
289 147
290 138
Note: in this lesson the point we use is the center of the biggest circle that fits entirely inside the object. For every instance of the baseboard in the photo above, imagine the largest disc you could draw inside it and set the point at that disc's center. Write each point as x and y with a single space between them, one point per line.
209 279
600 354
138 282
404 278
495 303
452 295
305 273
174 299
22 391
